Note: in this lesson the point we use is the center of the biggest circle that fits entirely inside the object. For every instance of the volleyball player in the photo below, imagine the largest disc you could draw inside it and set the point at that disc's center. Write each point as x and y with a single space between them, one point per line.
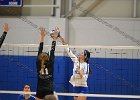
5 30
26 88
81 70
44 65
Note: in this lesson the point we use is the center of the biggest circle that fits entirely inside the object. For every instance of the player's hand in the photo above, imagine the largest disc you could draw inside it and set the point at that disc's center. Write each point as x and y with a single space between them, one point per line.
42 32
6 27
55 34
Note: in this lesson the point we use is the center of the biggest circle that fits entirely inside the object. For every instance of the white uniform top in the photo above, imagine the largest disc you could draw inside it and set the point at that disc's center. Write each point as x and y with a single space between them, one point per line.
76 79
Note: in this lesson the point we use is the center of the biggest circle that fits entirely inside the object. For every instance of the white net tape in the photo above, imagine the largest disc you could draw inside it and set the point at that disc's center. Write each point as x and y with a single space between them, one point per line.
75 94
75 46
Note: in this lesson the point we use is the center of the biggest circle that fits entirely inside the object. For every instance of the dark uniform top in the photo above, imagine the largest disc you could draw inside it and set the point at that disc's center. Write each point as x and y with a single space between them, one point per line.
2 38
45 78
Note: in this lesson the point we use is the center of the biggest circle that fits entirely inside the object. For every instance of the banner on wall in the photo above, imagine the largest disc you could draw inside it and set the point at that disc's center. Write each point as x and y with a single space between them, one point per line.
11 3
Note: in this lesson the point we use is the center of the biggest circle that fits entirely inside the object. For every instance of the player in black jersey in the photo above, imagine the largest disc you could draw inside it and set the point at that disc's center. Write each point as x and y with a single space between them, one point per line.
5 30
44 64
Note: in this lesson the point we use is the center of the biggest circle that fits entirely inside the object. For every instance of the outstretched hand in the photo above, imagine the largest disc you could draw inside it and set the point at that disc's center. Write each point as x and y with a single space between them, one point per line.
57 29
5 27
55 34
58 35
42 34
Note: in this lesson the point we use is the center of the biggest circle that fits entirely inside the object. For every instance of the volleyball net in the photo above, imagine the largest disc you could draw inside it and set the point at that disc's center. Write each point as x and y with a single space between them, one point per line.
115 71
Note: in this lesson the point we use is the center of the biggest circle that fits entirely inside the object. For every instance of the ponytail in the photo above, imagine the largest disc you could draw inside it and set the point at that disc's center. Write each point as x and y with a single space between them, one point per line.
42 63
87 56
90 71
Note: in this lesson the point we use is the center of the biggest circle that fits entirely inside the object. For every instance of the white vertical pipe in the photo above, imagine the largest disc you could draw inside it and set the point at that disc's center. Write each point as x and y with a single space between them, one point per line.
52 9
135 9
58 10
70 5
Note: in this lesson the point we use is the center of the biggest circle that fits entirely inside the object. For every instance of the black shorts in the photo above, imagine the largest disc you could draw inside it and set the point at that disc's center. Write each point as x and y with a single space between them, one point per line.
42 92
44 87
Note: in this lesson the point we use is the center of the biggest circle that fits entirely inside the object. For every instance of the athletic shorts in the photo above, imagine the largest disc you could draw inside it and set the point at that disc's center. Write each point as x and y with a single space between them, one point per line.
43 90
79 89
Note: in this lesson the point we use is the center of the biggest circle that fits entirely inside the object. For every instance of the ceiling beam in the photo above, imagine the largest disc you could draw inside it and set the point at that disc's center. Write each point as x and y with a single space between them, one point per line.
74 8
90 8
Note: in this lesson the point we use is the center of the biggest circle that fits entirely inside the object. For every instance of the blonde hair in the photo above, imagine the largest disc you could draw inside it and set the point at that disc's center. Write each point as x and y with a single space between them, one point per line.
44 56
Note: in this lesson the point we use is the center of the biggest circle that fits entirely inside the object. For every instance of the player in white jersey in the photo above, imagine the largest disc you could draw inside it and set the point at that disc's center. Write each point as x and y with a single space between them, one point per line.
81 71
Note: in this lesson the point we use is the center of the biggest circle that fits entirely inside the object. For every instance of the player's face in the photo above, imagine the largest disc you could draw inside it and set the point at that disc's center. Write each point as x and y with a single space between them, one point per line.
27 88
81 55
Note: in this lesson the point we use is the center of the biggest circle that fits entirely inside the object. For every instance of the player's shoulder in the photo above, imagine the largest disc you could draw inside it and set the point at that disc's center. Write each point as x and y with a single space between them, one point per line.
32 97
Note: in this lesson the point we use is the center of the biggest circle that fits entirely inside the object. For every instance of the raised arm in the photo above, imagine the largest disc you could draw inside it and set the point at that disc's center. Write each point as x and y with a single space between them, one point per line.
53 45
5 30
42 36
69 52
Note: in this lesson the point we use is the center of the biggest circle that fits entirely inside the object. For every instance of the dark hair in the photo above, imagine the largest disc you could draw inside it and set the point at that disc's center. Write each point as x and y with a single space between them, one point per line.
25 85
87 56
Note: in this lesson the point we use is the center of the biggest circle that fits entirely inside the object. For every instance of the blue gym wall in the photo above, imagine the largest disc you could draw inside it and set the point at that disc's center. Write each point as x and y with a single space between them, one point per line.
109 75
